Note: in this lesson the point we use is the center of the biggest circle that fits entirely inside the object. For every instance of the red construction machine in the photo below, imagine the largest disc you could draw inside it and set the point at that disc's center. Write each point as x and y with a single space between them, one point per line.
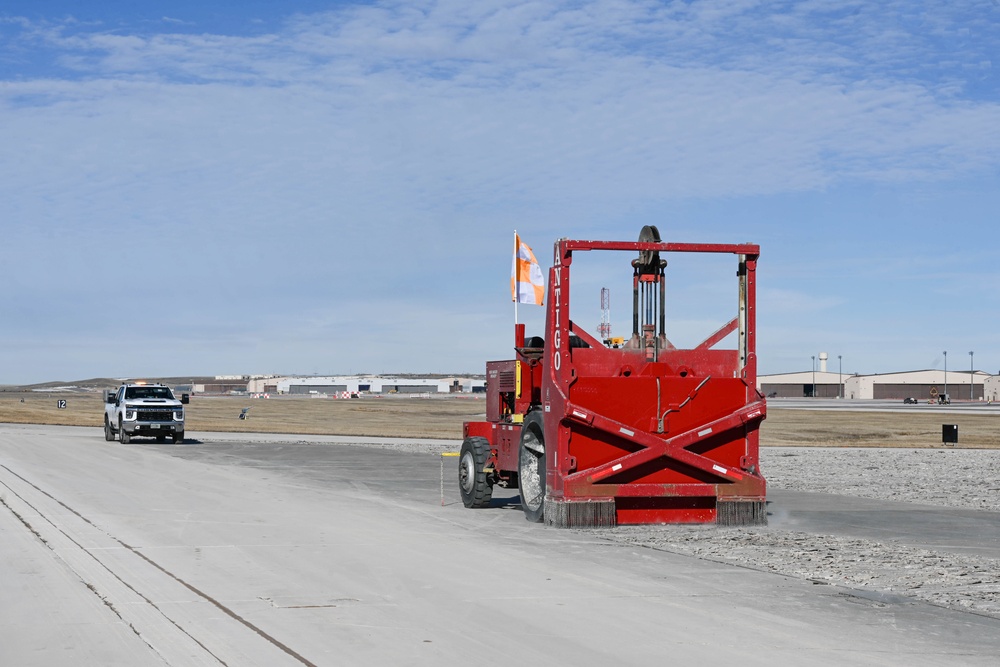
598 435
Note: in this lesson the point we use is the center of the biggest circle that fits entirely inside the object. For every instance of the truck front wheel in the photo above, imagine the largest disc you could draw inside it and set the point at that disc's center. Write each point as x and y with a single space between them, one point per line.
123 435
473 482
109 433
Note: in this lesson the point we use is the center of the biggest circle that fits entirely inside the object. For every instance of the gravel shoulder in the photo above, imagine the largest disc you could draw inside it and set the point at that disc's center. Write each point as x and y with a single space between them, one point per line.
879 571
961 478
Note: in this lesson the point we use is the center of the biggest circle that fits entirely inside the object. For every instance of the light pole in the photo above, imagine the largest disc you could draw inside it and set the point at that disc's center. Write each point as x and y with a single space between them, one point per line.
814 376
945 372
840 376
972 377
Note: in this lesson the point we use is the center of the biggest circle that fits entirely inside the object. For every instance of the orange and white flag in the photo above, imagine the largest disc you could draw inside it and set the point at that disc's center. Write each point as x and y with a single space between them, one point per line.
526 282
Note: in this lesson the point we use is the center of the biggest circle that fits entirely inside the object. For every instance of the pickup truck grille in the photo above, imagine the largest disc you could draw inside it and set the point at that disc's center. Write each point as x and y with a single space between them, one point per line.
158 415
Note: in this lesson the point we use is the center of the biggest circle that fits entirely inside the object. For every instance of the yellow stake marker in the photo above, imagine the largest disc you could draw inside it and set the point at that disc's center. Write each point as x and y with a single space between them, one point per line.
444 454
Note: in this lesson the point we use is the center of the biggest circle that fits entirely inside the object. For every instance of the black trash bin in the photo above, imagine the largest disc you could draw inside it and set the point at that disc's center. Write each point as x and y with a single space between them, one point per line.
949 434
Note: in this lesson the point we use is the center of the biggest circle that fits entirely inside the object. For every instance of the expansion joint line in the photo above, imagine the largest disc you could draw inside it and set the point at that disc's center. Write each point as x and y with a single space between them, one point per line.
38 535
208 598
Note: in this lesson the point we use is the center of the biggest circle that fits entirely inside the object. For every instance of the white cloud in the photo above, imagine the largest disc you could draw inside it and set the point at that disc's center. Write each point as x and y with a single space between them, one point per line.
349 151
512 95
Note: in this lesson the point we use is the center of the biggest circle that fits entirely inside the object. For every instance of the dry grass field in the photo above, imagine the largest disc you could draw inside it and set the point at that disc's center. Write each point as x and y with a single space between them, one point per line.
386 417
835 428
443 417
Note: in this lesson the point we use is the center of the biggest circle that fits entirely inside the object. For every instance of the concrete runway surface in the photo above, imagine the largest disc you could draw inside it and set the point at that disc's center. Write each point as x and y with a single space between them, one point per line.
884 405
242 550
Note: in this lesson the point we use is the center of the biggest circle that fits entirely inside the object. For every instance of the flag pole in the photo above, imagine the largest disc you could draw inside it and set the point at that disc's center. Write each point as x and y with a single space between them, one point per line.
517 278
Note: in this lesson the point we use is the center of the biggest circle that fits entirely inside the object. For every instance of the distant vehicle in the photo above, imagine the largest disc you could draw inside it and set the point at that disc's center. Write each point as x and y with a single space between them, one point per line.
909 400
944 399
773 394
143 409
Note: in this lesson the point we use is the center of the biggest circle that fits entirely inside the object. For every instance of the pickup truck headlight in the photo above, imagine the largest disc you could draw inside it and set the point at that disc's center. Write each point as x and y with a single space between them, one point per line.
130 412
179 414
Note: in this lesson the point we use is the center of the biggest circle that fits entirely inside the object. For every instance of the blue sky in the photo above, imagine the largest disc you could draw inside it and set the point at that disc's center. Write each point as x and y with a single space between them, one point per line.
315 187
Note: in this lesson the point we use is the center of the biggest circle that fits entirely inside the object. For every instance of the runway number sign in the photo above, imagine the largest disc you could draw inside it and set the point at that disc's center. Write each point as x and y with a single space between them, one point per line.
61 404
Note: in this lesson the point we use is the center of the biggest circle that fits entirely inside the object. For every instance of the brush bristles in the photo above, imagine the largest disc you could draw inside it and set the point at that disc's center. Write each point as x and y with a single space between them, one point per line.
580 513
741 513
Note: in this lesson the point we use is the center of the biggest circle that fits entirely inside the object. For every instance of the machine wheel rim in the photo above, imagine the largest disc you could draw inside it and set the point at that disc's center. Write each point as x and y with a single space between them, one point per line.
531 472
467 472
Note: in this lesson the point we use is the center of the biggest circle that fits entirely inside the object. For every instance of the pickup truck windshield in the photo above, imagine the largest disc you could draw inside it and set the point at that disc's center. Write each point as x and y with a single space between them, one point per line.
148 392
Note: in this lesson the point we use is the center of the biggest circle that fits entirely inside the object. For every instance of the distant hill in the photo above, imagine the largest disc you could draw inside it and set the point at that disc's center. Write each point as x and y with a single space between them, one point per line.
100 384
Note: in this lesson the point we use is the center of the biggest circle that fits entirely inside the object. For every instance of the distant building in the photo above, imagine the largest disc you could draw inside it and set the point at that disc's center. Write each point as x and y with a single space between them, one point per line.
375 384
220 386
922 385
820 384
992 388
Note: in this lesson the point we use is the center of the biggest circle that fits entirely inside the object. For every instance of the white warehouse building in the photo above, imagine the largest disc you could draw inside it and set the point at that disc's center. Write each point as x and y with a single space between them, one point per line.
367 384
922 385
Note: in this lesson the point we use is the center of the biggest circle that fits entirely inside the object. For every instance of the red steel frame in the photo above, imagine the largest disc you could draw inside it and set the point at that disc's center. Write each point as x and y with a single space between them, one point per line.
669 434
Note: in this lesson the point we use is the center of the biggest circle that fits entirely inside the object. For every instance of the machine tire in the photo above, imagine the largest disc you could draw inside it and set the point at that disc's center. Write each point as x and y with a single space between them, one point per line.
123 435
474 484
109 433
178 437
531 467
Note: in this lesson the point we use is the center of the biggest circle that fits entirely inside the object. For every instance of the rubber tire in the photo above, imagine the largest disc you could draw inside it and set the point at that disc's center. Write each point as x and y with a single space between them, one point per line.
178 437
123 435
474 484
531 467
109 433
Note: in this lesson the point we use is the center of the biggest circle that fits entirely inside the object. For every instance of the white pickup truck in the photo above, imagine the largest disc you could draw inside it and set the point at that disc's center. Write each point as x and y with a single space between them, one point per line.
143 409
